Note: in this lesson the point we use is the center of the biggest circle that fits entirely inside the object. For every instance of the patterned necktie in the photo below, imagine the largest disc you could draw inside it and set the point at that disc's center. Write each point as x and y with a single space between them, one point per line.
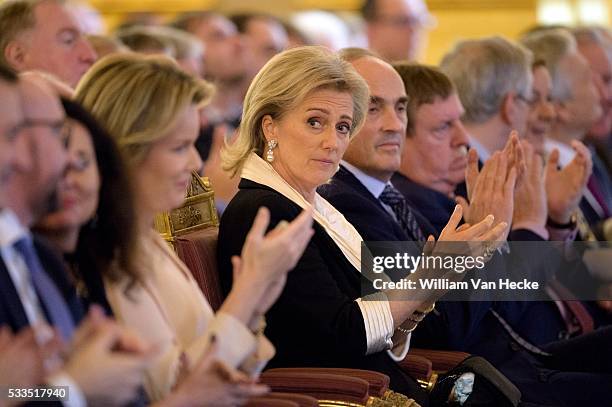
48 293
404 214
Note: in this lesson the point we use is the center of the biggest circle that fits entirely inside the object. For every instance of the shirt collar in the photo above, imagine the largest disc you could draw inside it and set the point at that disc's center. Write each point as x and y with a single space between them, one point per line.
11 230
374 185
483 153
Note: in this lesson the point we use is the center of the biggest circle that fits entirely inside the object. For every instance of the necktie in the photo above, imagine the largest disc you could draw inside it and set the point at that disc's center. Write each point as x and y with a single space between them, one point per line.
47 291
404 214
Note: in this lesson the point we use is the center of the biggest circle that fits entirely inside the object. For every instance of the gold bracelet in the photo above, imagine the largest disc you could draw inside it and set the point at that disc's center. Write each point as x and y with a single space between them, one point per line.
406 331
417 316
261 326
427 311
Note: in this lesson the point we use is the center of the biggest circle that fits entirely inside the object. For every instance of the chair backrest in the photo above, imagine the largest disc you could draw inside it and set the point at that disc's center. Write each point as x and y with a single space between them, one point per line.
198 250
300 400
328 389
197 212
270 402
378 382
192 230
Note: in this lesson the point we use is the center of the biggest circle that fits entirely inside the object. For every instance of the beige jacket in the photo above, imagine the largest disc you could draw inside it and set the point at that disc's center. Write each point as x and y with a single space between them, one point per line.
169 310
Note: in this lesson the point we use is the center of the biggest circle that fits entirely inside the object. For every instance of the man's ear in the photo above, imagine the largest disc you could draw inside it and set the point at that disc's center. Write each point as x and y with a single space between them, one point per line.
269 127
508 110
15 55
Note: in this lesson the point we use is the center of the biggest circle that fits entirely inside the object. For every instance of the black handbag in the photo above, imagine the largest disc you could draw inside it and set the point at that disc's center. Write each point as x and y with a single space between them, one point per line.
490 387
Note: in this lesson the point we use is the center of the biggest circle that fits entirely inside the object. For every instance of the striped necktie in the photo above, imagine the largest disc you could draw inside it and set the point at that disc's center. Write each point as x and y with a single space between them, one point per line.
404 214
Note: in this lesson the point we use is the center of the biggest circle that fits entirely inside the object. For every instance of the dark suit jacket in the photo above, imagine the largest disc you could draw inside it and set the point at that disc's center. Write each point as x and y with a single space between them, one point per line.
12 312
316 321
460 321
541 381
369 217
539 321
434 205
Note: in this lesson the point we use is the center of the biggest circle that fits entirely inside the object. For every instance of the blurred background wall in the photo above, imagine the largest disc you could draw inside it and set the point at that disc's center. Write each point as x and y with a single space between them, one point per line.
454 19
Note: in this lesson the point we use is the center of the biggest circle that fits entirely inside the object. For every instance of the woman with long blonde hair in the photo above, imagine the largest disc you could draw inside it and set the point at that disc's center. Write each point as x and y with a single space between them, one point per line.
150 108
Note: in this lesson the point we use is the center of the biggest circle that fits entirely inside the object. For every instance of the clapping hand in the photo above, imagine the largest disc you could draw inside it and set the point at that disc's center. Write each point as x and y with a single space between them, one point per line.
213 383
107 361
22 357
491 190
268 257
530 209
261 270
565 187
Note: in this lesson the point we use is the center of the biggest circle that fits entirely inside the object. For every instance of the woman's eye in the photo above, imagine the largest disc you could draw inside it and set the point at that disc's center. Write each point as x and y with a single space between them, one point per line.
315 123
343 128
181 148
82 163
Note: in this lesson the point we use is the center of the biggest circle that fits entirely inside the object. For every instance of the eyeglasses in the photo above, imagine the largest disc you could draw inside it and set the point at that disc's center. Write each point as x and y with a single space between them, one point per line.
530 101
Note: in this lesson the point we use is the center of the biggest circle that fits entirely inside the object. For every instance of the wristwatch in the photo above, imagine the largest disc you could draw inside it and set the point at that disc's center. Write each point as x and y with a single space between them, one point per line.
569 225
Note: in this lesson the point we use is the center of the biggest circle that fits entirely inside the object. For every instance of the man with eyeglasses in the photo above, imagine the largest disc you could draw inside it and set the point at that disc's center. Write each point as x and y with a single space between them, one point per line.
35 290
32 193
395 28
12 154
577 104
494 81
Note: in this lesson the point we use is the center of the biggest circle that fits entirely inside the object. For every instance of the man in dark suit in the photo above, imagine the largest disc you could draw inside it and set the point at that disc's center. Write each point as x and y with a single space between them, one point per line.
495 103
30 195
35 290
577 94
432 163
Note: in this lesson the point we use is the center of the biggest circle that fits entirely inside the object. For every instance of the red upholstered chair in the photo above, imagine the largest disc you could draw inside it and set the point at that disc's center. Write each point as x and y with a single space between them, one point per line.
300 400
378 382
441 360
323 387
271 402
198 249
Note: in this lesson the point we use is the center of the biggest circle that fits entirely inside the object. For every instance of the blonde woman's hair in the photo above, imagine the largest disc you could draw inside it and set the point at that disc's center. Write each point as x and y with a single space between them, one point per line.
281 85
138 99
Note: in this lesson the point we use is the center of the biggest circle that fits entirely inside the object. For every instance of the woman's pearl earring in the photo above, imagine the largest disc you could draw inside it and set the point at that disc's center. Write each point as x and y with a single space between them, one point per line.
270 153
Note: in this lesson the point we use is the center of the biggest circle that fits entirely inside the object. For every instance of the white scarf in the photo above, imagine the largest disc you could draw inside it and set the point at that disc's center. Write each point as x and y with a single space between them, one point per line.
335 224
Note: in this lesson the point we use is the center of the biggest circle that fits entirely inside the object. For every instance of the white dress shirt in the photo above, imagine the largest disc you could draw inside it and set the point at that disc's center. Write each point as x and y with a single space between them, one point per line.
374 185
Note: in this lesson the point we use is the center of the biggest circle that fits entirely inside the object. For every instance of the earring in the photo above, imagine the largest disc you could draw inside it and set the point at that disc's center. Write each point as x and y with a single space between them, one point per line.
270 154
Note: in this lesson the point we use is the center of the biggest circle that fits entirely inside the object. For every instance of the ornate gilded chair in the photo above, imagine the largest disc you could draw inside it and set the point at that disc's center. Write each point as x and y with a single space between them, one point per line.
197 212
192 231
